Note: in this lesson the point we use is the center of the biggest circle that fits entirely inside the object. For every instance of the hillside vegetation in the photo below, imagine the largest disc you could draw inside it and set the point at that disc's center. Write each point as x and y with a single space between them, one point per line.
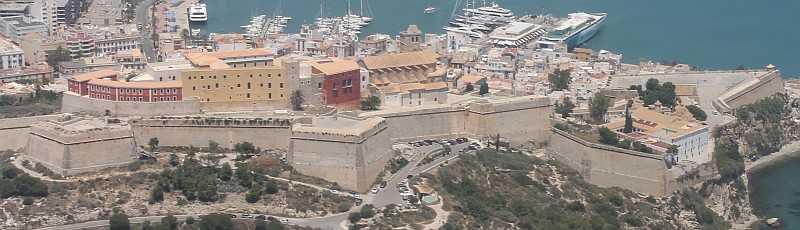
490 190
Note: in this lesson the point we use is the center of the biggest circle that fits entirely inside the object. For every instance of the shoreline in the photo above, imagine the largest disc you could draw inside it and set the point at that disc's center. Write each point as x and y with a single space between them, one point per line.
790 150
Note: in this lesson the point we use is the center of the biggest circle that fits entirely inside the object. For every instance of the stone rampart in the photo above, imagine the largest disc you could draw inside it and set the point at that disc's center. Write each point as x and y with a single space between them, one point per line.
608 166
72 102
268 133
14 131
750 91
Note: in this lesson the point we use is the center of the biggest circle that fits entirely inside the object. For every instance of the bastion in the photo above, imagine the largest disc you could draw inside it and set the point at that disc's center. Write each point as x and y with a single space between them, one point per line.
72 146
348 150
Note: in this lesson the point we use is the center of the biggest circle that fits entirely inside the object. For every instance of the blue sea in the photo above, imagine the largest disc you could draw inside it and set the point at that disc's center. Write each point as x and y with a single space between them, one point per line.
710 34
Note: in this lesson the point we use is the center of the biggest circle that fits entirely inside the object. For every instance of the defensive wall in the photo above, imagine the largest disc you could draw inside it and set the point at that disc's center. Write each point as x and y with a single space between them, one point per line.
348 150
79 145
266 133
14 131
608 166
522 120
74 103
750 91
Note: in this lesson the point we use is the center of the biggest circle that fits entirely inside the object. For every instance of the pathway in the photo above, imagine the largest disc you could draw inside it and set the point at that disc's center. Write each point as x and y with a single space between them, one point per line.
441 216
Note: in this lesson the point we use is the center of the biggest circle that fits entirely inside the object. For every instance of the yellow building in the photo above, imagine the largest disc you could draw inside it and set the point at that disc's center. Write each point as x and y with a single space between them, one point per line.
266 83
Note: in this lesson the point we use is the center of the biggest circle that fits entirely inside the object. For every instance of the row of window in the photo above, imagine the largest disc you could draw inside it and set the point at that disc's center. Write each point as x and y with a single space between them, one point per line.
216 85
225 76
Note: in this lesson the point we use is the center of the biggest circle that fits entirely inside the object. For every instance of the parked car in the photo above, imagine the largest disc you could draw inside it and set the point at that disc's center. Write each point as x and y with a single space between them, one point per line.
405 180
357 196
334 192
374 190
383 184
261 217
246 216
232 215
353 193
284 221
359 201
271 218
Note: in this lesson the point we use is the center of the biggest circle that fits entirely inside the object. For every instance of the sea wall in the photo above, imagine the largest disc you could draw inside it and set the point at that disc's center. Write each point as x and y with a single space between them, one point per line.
74 103
607 166
14 131
266 133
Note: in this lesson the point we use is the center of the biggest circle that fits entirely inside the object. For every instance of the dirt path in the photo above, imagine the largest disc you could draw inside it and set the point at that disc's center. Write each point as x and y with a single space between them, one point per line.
18 163
441 216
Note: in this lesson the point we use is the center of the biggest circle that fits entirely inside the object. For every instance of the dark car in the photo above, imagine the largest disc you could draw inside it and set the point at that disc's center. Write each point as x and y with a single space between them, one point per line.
271 218
261 217
383 184
359 201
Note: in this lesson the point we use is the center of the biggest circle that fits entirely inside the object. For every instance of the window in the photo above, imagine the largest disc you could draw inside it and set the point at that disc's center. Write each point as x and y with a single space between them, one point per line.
269 85
194 88
251 76
248 86
269 95
248 95
269 75
201 77
319 85
216 85
174 98
281 85
224 76
239 85
279 75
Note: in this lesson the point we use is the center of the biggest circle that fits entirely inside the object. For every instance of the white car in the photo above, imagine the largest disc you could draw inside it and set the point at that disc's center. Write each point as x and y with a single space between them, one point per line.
334 192
405 180
284 221
374 190
357 196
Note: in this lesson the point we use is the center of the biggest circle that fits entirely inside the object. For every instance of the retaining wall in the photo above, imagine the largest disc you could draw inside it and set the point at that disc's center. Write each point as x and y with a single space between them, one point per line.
72 102
76 154
607 166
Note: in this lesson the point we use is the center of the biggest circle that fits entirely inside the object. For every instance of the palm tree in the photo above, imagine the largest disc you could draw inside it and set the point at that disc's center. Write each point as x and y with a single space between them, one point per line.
297 99
185 35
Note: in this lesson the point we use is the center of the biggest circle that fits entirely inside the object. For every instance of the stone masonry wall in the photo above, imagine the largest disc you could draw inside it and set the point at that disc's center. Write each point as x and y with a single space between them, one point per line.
264 133
81 153
611 167
72 102
751 91
519 120
14 131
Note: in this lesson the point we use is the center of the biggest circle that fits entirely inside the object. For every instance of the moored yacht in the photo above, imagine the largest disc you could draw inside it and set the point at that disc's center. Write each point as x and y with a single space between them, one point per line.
197 13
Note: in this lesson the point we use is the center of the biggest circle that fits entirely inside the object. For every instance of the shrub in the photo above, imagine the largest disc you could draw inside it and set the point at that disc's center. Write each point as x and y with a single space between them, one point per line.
27 200
190 220
119 221
576 206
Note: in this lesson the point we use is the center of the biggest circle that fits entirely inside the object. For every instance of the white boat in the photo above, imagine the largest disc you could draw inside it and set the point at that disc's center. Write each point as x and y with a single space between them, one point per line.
197 13
430 10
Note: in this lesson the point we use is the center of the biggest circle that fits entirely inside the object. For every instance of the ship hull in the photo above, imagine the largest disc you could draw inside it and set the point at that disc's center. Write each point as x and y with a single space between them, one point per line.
584 35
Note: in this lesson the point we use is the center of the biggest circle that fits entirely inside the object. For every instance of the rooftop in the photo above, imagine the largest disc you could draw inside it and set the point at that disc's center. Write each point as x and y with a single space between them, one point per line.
7 47
339 125
106 73
334 65
137 85
23 21
400 60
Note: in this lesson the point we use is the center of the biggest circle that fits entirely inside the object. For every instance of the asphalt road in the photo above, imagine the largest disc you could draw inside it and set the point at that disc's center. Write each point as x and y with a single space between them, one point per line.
388 195
143 16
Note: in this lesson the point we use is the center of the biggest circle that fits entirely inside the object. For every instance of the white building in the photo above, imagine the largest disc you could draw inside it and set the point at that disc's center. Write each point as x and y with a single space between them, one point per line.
163 71
15 27
11 55
413 94
660 131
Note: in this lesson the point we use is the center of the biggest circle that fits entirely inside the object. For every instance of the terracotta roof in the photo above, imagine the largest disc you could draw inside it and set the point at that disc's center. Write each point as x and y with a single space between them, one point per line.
471 78
400 59
95 75
240 53
203 60
138 85
334 65
213 59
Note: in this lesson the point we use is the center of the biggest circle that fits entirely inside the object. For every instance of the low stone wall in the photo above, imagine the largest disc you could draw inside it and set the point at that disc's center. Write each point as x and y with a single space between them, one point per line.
14 131
607 166
72 102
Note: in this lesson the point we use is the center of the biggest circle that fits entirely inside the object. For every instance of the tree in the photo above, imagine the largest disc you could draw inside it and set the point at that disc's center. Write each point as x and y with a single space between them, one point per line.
25 185
157 195
27 200
559 79
271 187
244 176
169 222
186 35
119 221
244 149
740 67
146 225
6 188
7 99
153 143
56 56
607 136
565 107
173 160
371 103
261 225
217 221
297 99
673 149
10 172
253 195
190 220
484 89
469 87
213 145
697 112
628 120
275 225
367 211
354 217
598 107
226 172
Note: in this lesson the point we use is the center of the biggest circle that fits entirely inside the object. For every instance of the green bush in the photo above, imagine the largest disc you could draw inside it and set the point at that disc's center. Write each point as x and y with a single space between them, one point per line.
27 200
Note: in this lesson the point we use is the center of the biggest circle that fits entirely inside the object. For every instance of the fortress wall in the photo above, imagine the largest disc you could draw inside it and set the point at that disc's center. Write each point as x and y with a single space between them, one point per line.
233 106
333 161
48 152
72 102
424 123
752 91
611 167
264 133
519 120
376 152
99 155
14 131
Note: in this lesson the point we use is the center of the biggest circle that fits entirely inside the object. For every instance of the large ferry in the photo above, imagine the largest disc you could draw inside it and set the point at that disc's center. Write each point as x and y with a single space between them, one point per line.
197 13
577 29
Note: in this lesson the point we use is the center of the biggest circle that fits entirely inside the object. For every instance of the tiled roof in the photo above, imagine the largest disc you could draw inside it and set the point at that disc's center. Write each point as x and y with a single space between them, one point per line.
400 60
95 75
137 85
334 65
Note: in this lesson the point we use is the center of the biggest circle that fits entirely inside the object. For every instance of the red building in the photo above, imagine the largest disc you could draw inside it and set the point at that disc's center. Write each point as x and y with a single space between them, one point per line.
136 91
341 79
79 83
